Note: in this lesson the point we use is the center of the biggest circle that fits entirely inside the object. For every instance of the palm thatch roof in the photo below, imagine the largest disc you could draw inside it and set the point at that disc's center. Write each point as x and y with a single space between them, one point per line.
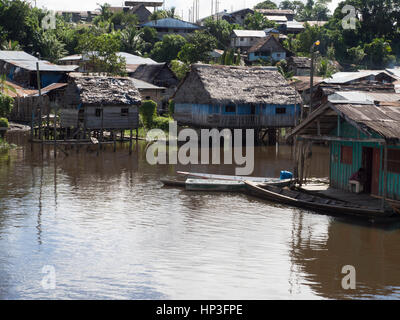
104 90
214 84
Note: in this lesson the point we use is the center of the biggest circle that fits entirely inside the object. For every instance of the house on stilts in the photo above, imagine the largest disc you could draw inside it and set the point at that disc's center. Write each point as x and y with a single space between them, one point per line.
97 103
233 97
361 134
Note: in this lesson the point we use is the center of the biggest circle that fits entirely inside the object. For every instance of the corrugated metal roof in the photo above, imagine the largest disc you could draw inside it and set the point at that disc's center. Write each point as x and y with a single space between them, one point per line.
171 23
277 18
16 56
345 77
20 91
132 59
294 25
250 33
73 57
141 85
43 66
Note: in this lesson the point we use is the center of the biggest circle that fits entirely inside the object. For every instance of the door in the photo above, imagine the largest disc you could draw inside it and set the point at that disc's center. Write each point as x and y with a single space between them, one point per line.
376 164
367 162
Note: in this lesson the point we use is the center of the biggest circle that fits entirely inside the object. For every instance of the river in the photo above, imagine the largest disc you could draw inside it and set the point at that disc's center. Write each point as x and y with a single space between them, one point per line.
106 228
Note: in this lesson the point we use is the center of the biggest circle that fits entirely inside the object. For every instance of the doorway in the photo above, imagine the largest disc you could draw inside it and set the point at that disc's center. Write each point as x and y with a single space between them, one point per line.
371 164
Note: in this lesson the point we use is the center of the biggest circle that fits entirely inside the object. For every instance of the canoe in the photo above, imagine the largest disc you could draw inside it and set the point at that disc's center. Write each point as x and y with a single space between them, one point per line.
173 183
214 185
230 178
318 203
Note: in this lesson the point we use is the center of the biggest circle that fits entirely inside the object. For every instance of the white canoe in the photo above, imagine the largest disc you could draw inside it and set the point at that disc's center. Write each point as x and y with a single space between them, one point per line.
230 178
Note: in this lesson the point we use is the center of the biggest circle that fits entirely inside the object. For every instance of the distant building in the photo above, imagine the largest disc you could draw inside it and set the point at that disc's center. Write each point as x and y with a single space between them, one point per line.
235 17
171 26
21 68
149 91
269 49
132 61
213 96
140 11
79 16
245 39
277 14
97 103
300 66
160 75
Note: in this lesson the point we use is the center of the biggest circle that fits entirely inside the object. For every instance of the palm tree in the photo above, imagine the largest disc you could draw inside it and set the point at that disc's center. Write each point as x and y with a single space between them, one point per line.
132 41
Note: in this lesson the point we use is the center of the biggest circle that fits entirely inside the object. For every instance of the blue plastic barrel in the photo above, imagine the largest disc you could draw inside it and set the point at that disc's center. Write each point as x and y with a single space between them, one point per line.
286 175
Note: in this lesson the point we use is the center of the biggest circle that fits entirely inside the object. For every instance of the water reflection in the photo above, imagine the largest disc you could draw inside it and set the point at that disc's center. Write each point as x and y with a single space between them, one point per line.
113 232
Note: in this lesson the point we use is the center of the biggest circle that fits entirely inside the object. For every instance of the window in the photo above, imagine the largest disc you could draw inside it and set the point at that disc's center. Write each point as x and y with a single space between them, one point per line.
347 155
280 110
230 109
148 98
99 112
241 39
278 55
124 112
393 161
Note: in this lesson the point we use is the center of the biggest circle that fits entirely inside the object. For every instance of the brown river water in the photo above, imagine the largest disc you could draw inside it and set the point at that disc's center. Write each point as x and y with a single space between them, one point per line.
110 230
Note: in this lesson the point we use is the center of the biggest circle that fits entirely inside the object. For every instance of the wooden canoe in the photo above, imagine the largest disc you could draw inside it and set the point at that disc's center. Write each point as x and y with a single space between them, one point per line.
214 185
173 183
317 203
230 178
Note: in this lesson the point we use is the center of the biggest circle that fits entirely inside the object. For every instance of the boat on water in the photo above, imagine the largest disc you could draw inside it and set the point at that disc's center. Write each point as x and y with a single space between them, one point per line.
218 185
233 178
318 203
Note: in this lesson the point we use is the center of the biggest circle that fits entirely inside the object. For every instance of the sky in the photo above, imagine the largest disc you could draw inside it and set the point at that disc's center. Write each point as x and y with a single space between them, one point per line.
182 6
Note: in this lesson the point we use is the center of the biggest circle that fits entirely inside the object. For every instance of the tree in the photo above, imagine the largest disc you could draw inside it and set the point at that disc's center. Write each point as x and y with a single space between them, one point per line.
283 69
266 5
105 11
132 41
258 21
295 6
221 30
168 49
49 47
198 48
124 20
179 68
379 53
149 37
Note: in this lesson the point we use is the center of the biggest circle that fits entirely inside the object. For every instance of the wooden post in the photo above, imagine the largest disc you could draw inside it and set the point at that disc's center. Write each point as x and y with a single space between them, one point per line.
385 176
115 140
130 141
55 132
40 100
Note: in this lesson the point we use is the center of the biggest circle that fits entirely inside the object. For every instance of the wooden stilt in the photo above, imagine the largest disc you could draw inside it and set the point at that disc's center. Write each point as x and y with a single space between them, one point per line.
130 141
115 140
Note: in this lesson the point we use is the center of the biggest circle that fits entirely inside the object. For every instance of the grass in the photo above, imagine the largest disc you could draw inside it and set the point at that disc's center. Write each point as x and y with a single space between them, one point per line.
4 145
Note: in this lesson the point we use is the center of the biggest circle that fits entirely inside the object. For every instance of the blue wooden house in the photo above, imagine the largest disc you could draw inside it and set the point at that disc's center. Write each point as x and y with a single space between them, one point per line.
213 96
360 135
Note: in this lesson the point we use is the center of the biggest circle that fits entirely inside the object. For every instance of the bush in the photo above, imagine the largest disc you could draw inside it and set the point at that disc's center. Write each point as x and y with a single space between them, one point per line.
161 123
4 123
148 111
6 105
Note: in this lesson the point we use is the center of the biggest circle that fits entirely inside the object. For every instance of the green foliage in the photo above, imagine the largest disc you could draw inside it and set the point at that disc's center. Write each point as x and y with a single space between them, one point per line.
168 49
132 41
49 46
4 86
148 112
296 6
4 123
266 5
179 68
379 53
258 21
221 30
198 47
6 105
124 20
161 123
284 70
325 68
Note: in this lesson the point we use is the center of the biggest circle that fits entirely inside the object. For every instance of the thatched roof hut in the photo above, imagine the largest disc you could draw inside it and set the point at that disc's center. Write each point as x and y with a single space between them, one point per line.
221 85
101 90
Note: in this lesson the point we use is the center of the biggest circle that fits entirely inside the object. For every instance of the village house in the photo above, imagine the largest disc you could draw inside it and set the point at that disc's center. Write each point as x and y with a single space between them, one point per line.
171 26
235 17
363 80
361 134
141 12
100 103
268 49
159 75
84 61
245 39
21 68
288 15
149 91
300 66
214 96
